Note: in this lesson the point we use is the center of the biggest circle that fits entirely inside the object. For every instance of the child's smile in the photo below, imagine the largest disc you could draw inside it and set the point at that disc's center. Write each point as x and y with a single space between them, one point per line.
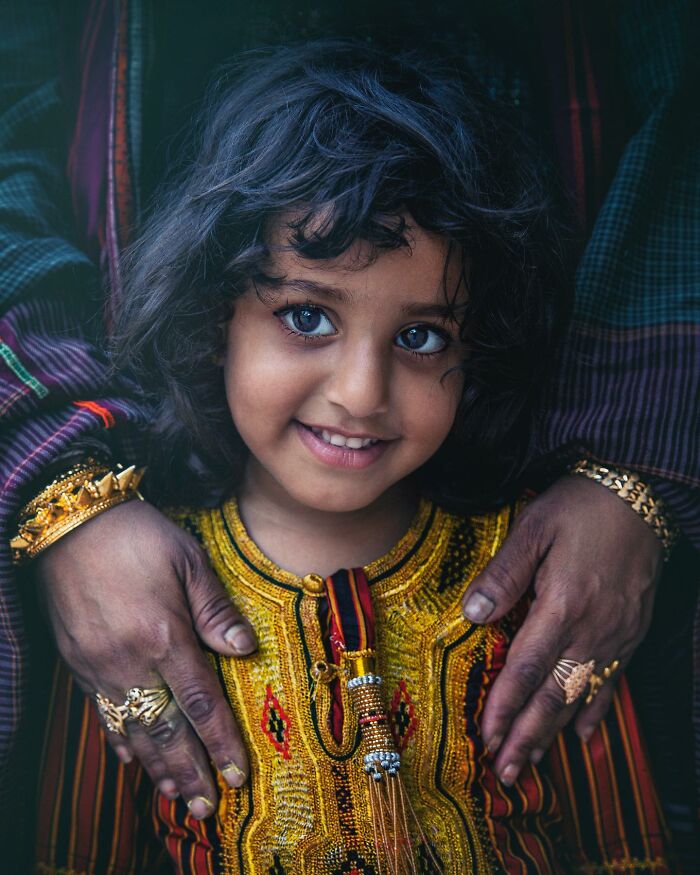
338 377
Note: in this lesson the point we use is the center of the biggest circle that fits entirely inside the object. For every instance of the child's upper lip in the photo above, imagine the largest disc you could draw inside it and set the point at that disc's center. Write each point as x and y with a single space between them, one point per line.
333 429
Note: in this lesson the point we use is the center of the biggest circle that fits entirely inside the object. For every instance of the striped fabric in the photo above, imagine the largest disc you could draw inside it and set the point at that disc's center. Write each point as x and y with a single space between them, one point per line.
628 387
99 817
629 382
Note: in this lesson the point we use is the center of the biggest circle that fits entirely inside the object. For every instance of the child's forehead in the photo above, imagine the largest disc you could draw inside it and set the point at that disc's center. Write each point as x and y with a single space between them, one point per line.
423 270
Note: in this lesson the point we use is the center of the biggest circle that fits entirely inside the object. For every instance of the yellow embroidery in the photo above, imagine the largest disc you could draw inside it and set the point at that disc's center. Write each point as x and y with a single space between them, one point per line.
306 808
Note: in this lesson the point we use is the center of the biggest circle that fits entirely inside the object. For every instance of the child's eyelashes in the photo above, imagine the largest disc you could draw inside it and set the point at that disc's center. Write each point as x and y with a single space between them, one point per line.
422 340
306 320
310 322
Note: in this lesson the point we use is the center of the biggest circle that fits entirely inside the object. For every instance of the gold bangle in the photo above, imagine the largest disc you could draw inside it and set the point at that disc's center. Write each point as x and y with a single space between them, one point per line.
79 494
637 494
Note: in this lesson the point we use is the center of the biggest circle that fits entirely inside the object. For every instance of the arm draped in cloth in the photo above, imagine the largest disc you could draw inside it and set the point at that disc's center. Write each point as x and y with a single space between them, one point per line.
628 388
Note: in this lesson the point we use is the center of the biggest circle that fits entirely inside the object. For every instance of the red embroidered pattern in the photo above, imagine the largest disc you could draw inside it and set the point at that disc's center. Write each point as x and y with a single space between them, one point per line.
403 720
275 723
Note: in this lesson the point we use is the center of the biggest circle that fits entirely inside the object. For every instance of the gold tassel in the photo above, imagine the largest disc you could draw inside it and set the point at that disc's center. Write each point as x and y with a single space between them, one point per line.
391 808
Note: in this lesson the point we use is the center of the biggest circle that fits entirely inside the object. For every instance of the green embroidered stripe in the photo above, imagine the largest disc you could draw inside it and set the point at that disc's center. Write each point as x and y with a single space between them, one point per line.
16 366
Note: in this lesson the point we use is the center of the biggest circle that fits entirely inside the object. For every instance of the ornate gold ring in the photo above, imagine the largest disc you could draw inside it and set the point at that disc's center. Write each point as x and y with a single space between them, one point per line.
146 706
572 677
596 681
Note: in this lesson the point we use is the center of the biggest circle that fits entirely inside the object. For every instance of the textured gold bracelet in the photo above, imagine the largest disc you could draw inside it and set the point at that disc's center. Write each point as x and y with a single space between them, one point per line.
79 494
637 494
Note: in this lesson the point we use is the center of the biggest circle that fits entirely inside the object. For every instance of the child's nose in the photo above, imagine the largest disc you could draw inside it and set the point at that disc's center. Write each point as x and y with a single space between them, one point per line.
360 382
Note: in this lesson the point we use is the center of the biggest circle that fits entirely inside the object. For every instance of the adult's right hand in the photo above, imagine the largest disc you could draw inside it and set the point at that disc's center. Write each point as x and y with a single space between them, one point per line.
127 593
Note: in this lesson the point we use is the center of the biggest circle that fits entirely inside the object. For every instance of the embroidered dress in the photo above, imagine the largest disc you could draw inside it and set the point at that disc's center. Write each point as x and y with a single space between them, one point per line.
306 808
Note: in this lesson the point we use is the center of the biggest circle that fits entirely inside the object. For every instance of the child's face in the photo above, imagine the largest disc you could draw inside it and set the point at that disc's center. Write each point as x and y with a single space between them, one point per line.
336 379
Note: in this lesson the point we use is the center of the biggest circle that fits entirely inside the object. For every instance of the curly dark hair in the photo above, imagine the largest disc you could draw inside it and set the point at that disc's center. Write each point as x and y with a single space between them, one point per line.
349 139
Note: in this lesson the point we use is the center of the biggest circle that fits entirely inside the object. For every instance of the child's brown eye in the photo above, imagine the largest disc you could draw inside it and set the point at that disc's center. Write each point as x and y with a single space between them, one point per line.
307 320
421 339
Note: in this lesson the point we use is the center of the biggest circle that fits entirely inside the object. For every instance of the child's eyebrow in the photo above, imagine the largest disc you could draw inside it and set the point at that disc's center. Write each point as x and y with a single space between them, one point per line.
312 288
420 308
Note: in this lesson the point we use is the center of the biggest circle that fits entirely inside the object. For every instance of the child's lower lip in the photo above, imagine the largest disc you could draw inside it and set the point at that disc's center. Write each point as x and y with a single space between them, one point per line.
339 457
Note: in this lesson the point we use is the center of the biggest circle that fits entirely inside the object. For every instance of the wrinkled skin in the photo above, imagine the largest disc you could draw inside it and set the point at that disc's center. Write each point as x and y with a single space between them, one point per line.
129 593
595 565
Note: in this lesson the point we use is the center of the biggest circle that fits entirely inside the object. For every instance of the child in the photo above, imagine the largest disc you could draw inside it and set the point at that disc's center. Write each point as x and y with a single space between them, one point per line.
343 308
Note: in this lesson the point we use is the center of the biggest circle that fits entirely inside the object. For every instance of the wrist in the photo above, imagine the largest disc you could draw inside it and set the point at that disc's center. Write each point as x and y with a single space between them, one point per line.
637 494
76 496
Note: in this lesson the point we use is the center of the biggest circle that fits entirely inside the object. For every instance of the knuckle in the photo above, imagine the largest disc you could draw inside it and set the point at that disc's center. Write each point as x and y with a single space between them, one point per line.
551 700
214 610
165 732
187 776
529 674
532 526
197 704
499 580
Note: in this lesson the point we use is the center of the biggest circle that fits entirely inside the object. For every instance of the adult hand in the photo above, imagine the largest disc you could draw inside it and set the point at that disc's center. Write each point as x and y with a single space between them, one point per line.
595 565
127 593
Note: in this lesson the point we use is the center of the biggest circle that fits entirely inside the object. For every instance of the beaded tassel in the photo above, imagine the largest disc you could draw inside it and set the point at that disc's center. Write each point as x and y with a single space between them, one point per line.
391 807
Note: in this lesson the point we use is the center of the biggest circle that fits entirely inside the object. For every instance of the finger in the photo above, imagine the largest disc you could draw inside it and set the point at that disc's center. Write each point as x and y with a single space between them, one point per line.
508 575
533 731
119 743
537 646
214 615
171 741
203 702
590 716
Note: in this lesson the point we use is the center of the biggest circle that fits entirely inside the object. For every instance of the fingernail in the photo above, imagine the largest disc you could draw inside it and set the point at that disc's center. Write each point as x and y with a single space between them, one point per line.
240 638
495 743
585 734
124 755
200 807
168 788
233 776
509 774
536 755
478 608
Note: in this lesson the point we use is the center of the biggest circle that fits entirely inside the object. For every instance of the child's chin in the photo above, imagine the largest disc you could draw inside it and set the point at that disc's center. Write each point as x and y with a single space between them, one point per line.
338 501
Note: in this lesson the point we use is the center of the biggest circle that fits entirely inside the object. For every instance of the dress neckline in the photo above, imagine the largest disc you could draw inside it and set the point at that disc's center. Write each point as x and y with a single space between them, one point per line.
409 547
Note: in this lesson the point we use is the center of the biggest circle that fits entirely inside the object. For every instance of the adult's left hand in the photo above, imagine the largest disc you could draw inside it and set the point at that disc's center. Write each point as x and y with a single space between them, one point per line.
595 565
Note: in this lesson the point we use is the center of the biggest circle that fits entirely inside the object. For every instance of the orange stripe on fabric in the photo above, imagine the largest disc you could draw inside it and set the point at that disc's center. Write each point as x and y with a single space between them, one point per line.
62 779
97 754
335 608
52 766
362 627
559 759
529 842
621 715
74 848
621 838
105 415
594 795
118 815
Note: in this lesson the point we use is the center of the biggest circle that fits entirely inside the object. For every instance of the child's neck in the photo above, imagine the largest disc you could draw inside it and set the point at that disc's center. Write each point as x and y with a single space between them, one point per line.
301 539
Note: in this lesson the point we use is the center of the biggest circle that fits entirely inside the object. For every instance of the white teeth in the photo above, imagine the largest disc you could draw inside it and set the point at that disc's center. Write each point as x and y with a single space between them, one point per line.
339 440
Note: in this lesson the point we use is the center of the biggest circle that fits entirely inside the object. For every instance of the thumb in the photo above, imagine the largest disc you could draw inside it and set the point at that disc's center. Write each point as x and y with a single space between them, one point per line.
496 589
214 616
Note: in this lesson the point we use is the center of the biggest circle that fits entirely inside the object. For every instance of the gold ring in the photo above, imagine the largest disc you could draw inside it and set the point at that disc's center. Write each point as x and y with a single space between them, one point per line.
572 677
113 715
146 706
596 681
